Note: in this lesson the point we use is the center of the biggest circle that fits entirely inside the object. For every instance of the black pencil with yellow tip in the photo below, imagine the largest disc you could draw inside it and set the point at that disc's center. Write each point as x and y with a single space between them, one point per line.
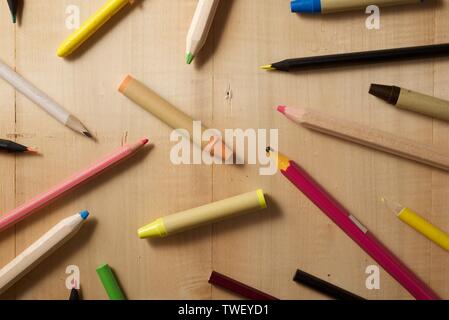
354 58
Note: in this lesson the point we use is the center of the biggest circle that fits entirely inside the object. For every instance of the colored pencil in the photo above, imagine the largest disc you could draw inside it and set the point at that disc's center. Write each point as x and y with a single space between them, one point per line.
42 200
200 27
368 137
344 59
40 250
353 228
42 100
418 223
11 146
13 7
88 28
324 287
237 287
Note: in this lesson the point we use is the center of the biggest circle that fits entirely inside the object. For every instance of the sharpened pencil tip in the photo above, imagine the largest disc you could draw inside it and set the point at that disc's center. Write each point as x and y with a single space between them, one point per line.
268 67
14 18
189 58
88 134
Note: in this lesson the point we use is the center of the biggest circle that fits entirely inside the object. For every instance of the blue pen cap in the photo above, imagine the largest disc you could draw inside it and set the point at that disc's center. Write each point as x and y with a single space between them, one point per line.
306 6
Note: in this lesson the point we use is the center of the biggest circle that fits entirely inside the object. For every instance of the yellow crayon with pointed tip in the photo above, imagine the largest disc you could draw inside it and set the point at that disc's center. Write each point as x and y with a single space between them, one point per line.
207 214
90 26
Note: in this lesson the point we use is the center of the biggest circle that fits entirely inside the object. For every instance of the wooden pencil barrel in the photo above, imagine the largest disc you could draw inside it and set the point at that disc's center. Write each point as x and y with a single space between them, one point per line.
330 6
376 139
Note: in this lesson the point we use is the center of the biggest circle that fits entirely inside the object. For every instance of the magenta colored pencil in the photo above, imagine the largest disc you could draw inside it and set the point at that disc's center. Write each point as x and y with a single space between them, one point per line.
354 229
42 200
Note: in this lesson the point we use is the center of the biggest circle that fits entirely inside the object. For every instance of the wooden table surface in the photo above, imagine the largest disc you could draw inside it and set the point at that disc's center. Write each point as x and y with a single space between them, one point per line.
262 249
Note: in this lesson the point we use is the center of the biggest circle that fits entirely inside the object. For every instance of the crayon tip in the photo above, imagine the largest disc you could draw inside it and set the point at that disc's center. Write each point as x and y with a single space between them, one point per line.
189 58
268 67
281 109
84 214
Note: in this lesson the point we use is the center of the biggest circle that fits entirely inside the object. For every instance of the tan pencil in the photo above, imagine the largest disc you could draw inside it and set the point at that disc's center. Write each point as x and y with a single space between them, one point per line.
368 137
42 100
200 27
40 249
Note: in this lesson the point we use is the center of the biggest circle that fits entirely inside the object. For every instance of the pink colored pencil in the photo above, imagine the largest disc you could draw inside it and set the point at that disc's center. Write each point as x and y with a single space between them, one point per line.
42 200
354 229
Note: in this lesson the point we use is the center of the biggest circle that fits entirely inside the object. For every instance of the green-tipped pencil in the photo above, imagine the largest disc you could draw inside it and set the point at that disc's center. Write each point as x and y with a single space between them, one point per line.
200 27
13 7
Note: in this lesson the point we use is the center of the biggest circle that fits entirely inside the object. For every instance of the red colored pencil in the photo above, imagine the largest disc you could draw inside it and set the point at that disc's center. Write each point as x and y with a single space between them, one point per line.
223 281
353 228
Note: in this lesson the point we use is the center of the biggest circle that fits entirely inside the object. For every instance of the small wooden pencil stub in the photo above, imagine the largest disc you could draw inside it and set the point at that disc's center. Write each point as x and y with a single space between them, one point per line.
172 116
369 137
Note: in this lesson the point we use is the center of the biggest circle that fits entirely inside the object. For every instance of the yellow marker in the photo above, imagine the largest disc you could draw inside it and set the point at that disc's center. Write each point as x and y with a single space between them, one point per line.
418 223
77 38
209 213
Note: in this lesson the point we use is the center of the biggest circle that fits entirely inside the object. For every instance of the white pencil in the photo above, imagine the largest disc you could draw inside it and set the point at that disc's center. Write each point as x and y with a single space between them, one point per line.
200 27
41 99
40 249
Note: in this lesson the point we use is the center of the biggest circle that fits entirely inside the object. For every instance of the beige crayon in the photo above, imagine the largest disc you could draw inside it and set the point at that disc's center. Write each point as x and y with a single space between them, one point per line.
206 214
172 116
412 101
332 6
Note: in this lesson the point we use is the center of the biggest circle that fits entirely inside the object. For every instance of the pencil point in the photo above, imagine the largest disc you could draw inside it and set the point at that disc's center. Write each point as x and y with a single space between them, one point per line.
87 134
84 214
267 67
281 109
14 18
189 58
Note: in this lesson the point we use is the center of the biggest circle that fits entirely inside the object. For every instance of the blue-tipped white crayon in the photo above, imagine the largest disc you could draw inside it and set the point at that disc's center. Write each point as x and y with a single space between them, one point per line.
330 6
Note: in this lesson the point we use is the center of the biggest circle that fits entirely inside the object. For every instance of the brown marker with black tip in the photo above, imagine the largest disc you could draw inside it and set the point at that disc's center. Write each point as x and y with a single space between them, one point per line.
412 101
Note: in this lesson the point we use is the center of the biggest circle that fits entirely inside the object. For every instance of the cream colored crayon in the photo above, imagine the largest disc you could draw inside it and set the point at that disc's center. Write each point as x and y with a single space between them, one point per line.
412 101
207 214
170 115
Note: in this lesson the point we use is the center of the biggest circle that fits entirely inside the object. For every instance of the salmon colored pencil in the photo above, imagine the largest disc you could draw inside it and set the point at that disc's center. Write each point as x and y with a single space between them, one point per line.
71 183
353 228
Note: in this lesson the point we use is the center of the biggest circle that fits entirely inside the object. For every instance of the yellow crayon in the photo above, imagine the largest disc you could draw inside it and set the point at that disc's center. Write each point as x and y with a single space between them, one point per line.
420 224
209 213
77 38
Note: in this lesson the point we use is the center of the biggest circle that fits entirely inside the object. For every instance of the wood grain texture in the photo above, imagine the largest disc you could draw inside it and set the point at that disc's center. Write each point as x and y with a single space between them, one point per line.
264 249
